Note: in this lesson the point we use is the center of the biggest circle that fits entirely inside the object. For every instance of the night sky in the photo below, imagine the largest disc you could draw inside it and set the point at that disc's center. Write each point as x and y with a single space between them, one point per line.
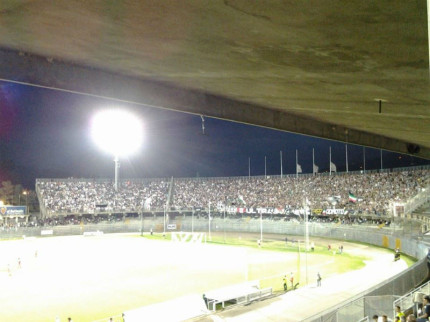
46 134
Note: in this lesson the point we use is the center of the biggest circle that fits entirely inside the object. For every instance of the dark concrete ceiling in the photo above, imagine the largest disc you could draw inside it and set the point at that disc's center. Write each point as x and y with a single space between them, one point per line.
355 70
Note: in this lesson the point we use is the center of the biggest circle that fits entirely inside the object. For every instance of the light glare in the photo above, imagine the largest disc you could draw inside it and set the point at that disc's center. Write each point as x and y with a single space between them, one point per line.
117 132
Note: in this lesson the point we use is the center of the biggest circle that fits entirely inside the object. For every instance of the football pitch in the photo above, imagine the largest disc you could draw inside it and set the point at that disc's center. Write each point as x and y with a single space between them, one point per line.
94 278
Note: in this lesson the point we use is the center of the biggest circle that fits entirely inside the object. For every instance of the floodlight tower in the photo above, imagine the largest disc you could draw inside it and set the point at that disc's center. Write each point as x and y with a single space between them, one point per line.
119 133
116 160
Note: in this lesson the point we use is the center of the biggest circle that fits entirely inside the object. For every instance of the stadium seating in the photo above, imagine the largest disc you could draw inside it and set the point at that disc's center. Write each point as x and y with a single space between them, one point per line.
373 193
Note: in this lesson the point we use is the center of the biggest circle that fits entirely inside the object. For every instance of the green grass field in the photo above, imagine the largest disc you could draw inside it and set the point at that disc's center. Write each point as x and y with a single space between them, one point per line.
270 274
94 278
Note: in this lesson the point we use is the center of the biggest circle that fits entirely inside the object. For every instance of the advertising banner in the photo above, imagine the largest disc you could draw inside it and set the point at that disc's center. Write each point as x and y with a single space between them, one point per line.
255 210
171 226
13 210
334 212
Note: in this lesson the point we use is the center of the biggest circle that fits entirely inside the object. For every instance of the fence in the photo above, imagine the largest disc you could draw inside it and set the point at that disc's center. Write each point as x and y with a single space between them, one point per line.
415 202
133 226
371 234
407 300
377 300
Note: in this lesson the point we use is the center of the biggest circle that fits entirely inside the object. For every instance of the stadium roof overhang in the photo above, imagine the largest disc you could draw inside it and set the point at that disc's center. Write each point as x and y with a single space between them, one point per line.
354 71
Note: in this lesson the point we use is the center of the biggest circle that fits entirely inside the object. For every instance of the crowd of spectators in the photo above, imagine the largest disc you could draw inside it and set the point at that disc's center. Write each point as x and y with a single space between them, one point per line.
374 192
351 220
419 312
89 196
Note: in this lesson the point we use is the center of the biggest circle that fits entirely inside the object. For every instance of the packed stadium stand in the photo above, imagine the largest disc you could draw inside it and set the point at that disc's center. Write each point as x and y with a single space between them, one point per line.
369 194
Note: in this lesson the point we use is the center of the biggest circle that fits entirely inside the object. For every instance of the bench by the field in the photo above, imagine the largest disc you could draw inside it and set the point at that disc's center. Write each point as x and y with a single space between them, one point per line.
179 309
236 294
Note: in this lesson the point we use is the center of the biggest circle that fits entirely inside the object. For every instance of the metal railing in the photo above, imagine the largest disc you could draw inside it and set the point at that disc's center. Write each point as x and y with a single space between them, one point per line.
241 300
414 203
407 300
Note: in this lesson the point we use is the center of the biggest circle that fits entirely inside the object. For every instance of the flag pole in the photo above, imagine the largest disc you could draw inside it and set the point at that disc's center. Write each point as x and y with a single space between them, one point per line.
381 158
313 161
297 172
249 167
364 159
210 237
346 154
265 168
280 152
330 161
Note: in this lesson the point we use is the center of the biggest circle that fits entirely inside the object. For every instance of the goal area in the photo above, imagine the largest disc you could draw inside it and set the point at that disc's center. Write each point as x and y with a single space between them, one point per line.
188 237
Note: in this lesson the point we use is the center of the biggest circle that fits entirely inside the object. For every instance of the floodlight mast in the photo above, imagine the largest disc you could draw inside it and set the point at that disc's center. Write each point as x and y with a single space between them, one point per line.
117 132
116 160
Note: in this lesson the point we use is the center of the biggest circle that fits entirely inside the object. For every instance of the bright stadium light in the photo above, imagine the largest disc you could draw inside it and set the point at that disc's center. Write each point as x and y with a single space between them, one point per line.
117 132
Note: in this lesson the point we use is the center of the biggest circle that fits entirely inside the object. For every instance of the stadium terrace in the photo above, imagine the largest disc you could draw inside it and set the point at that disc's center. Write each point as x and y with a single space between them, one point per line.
378 193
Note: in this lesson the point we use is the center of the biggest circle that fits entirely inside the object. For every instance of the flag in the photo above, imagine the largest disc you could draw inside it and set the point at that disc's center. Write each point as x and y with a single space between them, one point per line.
352 198
316 168
241 200
298 167
147 204
332 167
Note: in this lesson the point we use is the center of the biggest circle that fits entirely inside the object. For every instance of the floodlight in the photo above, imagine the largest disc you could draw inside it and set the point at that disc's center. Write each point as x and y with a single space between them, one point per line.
117 132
